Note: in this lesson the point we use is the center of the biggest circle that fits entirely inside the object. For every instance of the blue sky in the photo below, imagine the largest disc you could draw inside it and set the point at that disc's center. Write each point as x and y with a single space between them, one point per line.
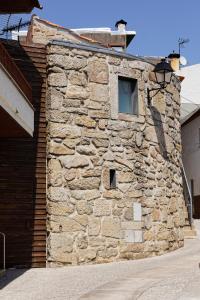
158 24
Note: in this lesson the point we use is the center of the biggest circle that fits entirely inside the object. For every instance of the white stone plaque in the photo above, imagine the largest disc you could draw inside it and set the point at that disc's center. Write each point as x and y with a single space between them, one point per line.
129 236
133 236
137 212
138 236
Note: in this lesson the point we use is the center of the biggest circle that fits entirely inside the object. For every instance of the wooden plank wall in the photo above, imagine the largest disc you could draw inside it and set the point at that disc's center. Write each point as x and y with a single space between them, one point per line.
23 172
196 203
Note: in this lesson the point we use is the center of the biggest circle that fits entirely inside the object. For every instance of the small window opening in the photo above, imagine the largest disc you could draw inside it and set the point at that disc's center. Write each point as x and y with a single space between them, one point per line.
113 179
128 95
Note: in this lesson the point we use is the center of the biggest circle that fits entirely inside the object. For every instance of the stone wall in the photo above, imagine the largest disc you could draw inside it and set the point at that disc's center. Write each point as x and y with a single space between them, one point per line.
87 221
42 32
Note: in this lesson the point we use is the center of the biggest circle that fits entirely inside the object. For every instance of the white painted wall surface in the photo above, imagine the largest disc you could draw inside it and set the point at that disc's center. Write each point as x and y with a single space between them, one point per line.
190 87
16 34
15 103
191 152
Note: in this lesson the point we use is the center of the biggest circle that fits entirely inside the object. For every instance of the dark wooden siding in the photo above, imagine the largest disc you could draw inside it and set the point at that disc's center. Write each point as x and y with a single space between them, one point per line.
196 203
23 171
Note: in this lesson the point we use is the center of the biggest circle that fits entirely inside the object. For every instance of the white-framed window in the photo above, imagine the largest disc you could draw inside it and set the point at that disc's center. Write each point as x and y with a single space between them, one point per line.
127 95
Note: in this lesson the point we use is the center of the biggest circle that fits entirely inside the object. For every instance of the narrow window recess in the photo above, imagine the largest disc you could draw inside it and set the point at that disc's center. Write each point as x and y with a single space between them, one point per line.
128 95
113 181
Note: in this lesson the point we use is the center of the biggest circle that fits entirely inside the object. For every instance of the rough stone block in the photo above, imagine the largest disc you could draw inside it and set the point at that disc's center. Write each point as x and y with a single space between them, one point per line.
100 143
98 71
70 174
58 130
57 79
61 242
94 226
74 161
111 227
87 255
128 214
113 194
54 166
97 242
60 209
97 134
85 195
102 207
85 121
151 134
99 92
59 149
64 224
82 241
81 219
135 194
86 150
76 92
58 194
54 99
108 253
83 207
84 184
77 78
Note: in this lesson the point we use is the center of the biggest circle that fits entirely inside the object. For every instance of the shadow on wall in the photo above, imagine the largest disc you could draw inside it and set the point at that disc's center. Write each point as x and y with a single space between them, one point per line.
156 117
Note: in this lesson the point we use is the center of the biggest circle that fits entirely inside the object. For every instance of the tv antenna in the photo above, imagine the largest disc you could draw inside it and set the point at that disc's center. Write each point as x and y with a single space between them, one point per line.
9 23
181 44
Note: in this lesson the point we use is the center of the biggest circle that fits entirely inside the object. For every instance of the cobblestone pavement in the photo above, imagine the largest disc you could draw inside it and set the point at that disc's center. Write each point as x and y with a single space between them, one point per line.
174 276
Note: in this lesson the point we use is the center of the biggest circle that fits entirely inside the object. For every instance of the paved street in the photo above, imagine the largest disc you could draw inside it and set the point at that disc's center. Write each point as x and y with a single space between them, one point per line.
172 276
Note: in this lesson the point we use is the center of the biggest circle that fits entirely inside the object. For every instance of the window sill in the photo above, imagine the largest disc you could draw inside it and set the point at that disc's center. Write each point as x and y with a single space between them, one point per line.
127 117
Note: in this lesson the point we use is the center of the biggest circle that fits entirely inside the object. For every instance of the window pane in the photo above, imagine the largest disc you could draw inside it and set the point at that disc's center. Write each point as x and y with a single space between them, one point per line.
128 98
135 98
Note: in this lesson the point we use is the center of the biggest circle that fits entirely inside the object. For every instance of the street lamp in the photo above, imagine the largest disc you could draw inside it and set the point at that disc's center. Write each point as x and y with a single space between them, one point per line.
163 74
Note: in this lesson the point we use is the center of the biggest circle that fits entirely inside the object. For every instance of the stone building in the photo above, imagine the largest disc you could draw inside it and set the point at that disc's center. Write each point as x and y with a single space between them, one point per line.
114 185
114 179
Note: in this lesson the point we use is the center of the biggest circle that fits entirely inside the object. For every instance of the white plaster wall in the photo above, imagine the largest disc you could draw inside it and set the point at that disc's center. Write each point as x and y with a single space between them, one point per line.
191 152
15 103
190 87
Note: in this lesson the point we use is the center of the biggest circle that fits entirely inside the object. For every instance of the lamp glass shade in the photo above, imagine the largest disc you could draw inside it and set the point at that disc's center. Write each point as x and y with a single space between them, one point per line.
163 73
160 77
168 76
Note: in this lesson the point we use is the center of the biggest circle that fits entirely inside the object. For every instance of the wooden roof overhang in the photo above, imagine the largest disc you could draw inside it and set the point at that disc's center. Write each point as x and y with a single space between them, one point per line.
14 72
18 6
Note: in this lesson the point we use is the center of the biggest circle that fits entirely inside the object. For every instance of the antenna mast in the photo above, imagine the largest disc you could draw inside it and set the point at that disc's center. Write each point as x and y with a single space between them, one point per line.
181 44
